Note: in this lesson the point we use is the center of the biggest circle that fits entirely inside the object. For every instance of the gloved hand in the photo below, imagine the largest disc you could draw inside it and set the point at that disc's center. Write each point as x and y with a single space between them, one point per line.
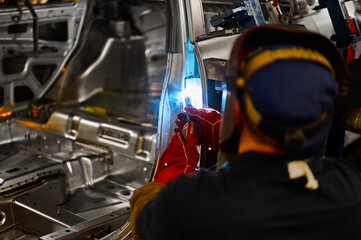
208 123
177 158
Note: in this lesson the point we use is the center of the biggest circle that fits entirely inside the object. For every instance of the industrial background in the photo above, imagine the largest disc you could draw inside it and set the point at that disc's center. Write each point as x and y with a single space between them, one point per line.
90 90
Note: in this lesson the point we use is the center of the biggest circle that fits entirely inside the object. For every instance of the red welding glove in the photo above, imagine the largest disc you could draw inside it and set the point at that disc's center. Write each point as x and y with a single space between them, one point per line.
208 122
178 158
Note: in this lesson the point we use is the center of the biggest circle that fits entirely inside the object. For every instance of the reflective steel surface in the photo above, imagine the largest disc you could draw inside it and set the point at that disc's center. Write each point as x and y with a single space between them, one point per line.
25 72
61 178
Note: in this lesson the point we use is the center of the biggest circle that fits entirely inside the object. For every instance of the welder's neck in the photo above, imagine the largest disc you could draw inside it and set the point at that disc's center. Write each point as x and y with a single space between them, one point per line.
249 142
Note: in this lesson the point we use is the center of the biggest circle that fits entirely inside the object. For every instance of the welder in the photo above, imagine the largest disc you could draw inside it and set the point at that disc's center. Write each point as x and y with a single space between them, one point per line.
282 86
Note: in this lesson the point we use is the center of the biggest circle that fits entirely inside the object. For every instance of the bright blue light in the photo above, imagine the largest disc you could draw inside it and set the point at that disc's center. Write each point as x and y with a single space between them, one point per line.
192 87
192 92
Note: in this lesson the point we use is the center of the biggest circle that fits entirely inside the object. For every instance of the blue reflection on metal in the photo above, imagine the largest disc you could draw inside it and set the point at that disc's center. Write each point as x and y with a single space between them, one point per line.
175 98
191 69
192 87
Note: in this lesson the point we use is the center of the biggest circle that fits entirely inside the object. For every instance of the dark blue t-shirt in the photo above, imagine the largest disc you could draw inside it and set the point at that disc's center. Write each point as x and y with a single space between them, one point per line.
253 198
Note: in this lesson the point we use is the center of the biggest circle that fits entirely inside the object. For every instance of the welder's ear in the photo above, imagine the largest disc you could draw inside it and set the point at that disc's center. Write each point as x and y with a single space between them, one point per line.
232 123
230 133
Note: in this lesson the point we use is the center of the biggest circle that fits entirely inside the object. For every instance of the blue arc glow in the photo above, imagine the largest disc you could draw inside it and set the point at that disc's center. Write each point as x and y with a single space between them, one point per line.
192 92
192 87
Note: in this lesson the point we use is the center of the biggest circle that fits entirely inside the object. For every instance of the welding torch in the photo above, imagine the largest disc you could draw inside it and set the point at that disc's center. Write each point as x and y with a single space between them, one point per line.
190 131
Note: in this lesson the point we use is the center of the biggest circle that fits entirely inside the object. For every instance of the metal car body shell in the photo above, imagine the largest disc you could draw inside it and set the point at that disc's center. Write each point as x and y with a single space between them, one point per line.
105 84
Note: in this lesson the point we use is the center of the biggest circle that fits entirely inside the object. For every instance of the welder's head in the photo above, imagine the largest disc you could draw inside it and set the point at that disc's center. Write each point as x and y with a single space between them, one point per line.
285 82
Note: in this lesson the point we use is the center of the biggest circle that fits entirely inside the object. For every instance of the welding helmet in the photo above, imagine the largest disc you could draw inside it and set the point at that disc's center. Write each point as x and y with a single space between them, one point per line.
285 81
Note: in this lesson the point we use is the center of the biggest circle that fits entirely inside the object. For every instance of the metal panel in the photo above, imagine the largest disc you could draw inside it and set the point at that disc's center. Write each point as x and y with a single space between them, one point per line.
50 52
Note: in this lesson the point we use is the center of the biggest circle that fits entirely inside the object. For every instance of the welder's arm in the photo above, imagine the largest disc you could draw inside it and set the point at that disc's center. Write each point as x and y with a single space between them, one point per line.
181 156
178 158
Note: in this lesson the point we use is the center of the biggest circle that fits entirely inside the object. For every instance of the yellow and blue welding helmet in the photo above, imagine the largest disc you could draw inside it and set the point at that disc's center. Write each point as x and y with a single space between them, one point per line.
286 81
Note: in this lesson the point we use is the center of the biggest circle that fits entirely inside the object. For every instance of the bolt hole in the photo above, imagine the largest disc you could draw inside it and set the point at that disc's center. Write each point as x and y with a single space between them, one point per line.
67 230
125 192
13 170
35 203
112 215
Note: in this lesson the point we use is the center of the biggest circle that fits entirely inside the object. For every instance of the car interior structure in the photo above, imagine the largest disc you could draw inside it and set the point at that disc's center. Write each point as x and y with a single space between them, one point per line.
90 90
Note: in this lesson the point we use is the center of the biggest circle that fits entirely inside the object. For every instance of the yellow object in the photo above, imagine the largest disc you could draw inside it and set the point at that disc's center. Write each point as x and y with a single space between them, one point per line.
21 2
5 114
140 145
97 110
252 112
268 57
241 82
140 198
297 169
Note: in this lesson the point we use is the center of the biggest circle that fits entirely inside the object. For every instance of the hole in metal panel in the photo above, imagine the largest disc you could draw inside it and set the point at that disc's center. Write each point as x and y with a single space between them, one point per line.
18 28
22 93
43 72
125 192
14 64
56 31
1 96
13 170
